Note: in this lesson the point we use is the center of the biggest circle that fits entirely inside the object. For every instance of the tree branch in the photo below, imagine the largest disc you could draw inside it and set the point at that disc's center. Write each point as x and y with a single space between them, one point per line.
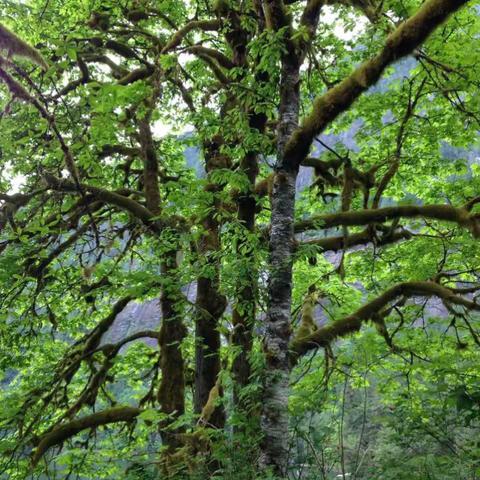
355 239
176 40
352 323
446 213
63 432
125 203
401 42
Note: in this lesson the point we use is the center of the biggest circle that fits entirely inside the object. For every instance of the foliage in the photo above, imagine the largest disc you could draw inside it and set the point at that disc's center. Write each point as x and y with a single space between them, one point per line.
141 166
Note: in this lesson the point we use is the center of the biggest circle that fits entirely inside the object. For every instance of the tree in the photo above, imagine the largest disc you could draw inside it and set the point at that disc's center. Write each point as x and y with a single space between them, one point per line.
109 214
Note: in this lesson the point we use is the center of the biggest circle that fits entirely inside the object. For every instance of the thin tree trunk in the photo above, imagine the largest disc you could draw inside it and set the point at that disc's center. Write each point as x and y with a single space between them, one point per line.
243 316
171 393
210 306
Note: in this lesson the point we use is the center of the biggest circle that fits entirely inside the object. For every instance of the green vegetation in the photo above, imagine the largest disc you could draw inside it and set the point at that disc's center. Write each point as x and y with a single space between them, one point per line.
239 239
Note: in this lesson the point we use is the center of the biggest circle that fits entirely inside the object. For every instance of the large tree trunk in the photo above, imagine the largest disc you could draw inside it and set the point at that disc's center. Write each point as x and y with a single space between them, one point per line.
274 420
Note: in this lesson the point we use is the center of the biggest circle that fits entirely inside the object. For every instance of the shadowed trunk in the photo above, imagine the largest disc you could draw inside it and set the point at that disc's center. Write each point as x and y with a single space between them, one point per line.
171 393
243 315
210 303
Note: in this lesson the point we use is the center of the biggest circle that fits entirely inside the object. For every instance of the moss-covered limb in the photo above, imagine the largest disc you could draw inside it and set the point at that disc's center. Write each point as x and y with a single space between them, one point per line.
92 340
209 407
323 165
177 38
214 67
367 7
16 89
135 336
355 239
352 323
307 324
221 58
109 150
136 75
445 213
113 198
63 432
276 15
122 49
16 47
116 70
81 350
471 203
309 21
150 165
402 41
88 396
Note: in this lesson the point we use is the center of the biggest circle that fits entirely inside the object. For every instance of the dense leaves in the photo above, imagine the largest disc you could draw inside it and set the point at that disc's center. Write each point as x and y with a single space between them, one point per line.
149 157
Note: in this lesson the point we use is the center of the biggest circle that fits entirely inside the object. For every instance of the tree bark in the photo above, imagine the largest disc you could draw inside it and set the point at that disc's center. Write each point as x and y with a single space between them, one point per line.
171 392
210 305
293 145
274 421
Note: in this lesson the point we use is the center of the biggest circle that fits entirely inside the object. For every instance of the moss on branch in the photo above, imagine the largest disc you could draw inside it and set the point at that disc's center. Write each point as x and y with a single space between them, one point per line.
446 213
402 41
352 323
63 432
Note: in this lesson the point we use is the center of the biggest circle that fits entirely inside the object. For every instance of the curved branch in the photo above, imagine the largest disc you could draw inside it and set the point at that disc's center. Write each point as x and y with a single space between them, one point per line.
135 75
355 239
222 59
125 203
205 25
63 432
401 42
352 323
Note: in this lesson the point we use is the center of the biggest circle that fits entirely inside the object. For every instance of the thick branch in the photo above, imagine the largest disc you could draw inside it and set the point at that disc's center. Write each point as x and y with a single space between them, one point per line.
222 59
446 213
325 335
355 239
59 434
205 25
408 36
125 203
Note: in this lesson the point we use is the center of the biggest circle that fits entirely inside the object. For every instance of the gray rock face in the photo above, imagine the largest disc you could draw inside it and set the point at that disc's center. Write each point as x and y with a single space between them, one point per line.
135 318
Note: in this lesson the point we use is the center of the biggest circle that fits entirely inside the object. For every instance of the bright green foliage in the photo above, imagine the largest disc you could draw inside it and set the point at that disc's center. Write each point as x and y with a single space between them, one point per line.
408 410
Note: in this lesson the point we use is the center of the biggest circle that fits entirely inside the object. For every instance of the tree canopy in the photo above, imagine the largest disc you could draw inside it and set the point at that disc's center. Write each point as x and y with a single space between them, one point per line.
292 187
